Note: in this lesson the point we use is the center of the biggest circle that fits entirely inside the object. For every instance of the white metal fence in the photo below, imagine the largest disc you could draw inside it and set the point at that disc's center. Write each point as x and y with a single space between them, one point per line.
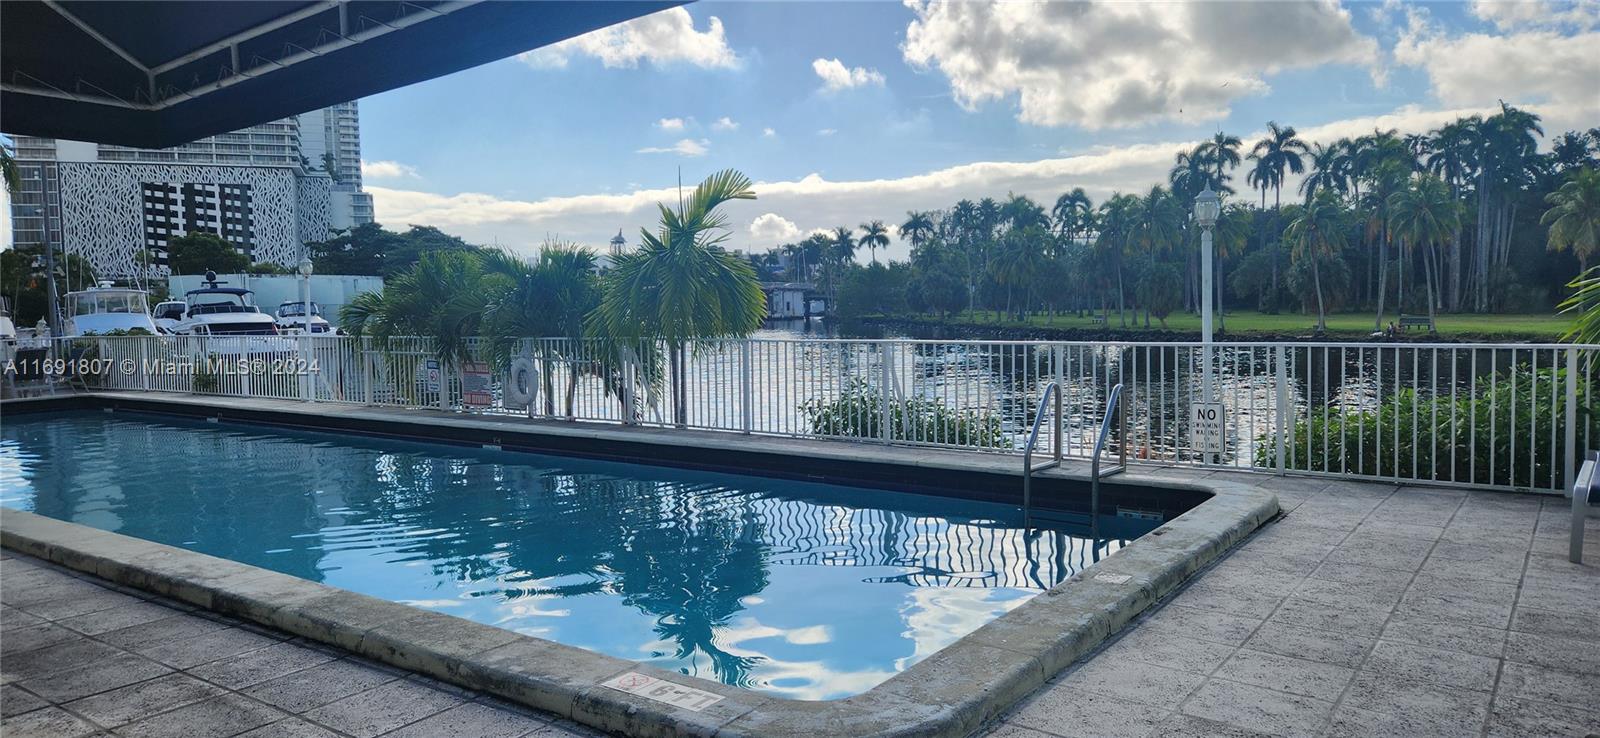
1510 416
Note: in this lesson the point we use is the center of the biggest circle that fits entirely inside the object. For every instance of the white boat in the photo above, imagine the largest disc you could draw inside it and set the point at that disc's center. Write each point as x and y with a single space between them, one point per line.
169 314
104 309
291 318
8 327
230 320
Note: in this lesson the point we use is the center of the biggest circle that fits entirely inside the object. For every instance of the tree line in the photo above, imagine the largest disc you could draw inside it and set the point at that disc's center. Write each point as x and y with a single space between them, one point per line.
1471 217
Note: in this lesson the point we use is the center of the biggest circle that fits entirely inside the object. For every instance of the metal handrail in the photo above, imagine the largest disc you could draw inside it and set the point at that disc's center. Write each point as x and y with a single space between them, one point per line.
1113 405
1051 390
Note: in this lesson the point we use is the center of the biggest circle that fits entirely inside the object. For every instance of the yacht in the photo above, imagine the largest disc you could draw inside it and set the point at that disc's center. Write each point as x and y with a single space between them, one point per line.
291 318
229 316
105 309
169 314
8 327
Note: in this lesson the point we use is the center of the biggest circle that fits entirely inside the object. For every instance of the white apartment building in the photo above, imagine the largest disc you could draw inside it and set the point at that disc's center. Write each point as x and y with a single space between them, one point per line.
267 189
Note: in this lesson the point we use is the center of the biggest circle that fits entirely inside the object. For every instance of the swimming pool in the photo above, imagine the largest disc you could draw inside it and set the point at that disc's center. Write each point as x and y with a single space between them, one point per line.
803 590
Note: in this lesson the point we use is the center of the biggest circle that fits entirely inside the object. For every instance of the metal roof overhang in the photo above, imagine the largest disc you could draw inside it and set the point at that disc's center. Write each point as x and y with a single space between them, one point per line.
154 74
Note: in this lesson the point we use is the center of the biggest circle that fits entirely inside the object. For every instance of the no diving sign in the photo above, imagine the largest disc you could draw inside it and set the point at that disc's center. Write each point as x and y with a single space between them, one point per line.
1207 427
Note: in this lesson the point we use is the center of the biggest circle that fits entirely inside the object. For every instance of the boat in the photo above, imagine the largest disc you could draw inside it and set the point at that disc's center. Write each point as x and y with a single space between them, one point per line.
291 318
230 319
169 314
8 327
105 309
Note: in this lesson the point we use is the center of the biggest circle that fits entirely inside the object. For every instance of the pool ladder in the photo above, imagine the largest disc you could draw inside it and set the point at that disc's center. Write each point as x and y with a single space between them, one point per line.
1114 409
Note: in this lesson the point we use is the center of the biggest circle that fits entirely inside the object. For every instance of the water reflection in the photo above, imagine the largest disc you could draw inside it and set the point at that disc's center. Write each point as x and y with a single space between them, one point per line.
806 590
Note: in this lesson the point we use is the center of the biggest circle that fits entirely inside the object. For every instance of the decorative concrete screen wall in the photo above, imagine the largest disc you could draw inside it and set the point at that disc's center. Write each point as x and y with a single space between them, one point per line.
103 209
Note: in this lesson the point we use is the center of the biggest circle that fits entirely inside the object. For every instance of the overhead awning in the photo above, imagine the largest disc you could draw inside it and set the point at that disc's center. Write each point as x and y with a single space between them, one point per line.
153 74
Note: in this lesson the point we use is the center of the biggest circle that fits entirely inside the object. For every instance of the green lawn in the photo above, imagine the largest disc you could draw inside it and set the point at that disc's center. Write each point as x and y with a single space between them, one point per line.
1245 324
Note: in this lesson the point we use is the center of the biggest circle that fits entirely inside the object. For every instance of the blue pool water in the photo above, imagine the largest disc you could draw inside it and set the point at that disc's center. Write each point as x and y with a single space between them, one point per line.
808 591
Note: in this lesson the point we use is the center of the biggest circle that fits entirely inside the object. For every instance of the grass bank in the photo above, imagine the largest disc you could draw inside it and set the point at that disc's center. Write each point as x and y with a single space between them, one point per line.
1246 325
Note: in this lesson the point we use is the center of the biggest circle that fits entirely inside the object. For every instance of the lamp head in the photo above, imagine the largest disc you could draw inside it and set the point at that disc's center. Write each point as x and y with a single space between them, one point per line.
304 267
1207 207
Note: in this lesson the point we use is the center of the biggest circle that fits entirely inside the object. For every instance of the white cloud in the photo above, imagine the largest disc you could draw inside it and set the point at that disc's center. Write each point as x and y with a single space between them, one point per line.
670 124
388 170
1532 66
773 228
814 203
684 147
725 124
1109 64
1516 14
667 37
768 133
827 131
836 76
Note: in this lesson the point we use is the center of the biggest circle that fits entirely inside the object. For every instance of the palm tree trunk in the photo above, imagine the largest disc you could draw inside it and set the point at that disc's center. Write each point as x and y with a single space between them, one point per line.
1383 274
1316 279
572 386
680 406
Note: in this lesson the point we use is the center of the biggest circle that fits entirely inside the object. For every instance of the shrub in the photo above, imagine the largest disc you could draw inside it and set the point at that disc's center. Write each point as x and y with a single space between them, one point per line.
1381 442
858 413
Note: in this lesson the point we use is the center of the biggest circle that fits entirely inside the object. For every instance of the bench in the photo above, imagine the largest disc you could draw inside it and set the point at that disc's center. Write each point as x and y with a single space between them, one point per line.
1097 320
1585 501
1407 322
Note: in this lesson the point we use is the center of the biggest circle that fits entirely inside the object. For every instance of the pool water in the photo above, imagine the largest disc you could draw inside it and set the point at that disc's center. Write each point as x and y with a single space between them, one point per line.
808 591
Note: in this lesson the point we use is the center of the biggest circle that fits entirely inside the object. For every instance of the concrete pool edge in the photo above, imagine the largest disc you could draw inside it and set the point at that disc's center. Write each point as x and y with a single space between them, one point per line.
950 693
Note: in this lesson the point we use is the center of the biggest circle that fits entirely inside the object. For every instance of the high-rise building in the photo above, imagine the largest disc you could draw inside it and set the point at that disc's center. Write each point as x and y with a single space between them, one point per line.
267 189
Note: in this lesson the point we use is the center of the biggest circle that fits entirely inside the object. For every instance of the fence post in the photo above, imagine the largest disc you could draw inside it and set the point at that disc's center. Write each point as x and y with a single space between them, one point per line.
1572 420
883 392
144 373
746 391
1281 391
366 371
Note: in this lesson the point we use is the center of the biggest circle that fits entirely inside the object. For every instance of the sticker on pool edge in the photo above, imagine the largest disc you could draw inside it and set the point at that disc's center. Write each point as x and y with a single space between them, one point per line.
662 690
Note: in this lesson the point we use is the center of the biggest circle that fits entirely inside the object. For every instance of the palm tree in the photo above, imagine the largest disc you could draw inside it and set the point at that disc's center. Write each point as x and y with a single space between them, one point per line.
875 236
1071 211
1574 216
547 297
1384 179
441 297
1325 173
681 285
1118 217
1279 152
1222 151
1450 157
1424 215
1317 232
918 228
1229 239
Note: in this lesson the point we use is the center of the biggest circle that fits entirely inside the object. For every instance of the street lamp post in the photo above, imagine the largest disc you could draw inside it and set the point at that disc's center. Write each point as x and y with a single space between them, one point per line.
305 268
1207 206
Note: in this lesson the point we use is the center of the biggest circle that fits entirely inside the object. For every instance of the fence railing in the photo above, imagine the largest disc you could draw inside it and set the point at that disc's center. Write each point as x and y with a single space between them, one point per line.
1509 416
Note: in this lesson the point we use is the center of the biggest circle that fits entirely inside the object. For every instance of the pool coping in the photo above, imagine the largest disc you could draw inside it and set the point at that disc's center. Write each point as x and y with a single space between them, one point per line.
952 692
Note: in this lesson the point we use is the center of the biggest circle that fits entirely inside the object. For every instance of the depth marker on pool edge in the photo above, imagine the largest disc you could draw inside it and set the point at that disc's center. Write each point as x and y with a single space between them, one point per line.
662 690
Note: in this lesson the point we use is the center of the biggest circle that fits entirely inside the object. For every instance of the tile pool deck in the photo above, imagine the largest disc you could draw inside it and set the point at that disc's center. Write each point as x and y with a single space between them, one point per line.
1367 610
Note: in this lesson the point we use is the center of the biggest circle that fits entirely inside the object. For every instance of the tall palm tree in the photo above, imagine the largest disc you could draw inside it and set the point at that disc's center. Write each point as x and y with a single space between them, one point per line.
1280 153
874 235
1424 214
1118 219
681 285
918 228
1070 212
1574 216
1222 151
1384 179
1317 232
1229 239
1325 173
1450 157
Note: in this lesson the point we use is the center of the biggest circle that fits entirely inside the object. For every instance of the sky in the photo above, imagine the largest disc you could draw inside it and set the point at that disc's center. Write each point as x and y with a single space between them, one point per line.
843 112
